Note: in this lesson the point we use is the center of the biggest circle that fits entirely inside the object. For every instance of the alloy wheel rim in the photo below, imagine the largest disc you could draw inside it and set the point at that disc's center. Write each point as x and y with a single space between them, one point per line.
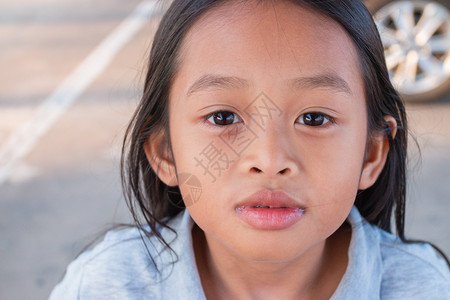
416 39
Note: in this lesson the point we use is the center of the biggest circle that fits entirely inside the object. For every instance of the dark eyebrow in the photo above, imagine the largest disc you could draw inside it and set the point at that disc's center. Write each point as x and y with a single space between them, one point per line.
218 82
324 81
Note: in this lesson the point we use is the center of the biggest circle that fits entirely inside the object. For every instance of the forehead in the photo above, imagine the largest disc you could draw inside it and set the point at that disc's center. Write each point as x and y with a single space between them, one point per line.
267 41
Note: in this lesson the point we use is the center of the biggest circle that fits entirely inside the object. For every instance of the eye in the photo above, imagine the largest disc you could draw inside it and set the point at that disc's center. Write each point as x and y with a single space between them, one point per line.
314 119
222 118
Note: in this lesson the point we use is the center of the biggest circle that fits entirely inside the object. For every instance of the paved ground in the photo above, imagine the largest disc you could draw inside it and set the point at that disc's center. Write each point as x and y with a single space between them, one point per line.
66 189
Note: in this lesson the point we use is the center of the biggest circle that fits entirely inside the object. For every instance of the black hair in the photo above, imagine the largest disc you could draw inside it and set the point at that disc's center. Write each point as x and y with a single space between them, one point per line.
153 203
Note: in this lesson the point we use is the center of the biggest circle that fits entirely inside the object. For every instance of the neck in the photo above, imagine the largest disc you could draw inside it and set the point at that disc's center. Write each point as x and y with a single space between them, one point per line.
315 273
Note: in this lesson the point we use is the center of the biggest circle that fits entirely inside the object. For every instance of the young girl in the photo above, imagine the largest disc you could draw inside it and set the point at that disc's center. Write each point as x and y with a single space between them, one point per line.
264 161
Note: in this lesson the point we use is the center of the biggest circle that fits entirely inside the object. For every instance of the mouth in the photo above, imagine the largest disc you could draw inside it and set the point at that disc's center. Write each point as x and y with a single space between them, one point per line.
267 210
268 206
269 199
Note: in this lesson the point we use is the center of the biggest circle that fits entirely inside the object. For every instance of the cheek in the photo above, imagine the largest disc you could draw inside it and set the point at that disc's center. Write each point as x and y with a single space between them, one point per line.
342 159
336 158
211 211
332 171
205 158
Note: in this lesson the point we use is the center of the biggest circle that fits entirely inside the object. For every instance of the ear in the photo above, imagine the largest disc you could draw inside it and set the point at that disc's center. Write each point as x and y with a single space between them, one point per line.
155 149
377 151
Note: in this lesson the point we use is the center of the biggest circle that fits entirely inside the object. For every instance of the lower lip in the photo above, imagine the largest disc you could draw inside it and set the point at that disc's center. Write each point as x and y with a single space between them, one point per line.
270 218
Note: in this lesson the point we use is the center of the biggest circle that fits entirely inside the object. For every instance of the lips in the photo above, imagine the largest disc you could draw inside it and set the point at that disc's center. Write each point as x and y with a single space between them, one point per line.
267 198
268 210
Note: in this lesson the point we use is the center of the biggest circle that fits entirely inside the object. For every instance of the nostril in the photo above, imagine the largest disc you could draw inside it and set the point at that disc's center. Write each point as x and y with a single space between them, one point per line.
256 170
283 171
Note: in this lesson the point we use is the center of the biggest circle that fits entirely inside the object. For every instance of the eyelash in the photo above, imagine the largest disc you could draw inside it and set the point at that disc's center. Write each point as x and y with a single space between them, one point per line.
324 125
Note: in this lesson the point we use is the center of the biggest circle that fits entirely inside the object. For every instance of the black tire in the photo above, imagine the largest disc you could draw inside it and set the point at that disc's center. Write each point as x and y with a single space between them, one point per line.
437 90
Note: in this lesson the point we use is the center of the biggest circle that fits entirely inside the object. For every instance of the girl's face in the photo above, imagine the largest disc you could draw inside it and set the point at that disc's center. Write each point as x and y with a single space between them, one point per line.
289 86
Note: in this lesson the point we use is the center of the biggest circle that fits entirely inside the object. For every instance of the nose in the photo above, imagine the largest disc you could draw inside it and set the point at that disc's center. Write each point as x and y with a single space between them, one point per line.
271 154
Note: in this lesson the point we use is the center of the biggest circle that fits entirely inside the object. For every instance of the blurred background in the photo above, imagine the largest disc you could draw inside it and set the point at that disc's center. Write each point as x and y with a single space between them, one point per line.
70 77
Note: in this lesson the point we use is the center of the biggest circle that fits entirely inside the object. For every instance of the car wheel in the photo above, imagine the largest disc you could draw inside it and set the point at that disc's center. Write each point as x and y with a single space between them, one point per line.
416 39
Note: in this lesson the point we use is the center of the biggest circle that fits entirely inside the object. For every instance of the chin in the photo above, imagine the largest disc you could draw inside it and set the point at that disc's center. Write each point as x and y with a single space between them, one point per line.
272 254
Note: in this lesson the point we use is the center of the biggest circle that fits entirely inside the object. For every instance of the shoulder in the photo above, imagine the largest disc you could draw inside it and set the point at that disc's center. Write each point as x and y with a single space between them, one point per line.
103 271
412 270
386 266
122 266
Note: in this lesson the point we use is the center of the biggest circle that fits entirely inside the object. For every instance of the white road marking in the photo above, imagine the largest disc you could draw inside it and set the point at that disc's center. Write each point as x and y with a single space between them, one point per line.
22 140
22 173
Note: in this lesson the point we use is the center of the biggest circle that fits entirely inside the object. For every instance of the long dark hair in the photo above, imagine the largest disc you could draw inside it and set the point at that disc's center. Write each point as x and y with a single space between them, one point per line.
153 203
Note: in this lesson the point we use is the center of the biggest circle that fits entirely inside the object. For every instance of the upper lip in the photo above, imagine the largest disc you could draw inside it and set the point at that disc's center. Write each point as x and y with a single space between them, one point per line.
269 198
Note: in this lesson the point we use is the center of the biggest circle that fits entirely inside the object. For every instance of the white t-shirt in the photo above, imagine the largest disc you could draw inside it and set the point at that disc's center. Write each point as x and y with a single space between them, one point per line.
380 266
